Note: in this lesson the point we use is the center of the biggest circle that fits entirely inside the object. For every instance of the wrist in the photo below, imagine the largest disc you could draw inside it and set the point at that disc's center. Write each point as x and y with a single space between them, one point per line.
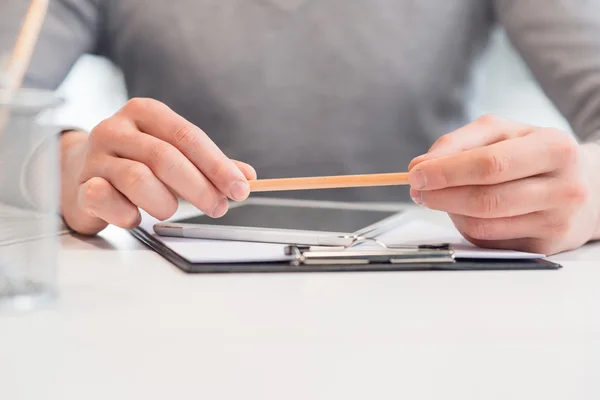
72 146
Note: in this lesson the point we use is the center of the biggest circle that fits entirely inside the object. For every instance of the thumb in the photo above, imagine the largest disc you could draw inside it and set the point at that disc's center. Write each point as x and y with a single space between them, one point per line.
484 131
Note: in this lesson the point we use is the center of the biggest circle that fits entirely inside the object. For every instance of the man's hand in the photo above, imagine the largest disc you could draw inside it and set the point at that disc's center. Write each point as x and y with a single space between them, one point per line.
513 186
145 156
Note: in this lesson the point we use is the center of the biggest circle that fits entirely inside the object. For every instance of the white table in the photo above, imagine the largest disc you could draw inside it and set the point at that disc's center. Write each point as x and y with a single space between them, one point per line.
131 326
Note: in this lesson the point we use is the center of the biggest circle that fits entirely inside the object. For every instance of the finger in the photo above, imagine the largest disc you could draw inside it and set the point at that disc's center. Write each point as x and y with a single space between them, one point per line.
540 152
529 245
484 131
539 225
507 199
141 187
248 171
156 119
172 168
99 199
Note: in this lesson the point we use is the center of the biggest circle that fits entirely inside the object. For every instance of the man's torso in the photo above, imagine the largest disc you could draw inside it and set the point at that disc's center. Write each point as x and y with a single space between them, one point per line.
306 87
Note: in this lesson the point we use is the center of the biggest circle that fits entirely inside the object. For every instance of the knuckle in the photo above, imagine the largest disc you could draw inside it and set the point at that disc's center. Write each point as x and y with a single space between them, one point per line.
164 158
138 105
478 229
159 154
218 167
446 176
493 166
96 190
489 119
185 137
559 227
112 129
488 202
104 128
137 175
577 193
443 141
566 150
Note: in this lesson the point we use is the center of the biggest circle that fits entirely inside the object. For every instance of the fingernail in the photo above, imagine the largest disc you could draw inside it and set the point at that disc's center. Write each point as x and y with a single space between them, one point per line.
220 209
417 179
417 196
239 190
138 218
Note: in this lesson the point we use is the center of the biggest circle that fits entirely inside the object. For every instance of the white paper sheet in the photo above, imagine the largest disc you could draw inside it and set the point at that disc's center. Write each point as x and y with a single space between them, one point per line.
415 231
423 232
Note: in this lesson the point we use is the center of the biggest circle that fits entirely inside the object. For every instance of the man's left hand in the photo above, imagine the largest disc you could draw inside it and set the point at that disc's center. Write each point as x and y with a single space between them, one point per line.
513 186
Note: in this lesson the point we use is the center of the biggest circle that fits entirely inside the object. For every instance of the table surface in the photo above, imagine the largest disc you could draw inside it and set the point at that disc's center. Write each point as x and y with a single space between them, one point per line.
129 325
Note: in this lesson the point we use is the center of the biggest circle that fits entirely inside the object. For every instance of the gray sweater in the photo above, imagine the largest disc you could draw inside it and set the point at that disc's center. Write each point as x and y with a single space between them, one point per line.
316 87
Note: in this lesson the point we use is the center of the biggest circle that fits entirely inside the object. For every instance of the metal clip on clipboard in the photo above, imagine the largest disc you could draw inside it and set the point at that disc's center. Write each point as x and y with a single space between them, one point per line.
397 254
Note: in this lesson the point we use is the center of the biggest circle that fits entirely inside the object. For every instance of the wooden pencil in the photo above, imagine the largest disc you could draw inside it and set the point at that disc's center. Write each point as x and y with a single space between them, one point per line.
329 182
20 59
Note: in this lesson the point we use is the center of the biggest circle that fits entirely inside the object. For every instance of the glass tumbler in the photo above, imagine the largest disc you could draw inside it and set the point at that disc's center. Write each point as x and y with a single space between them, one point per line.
29 201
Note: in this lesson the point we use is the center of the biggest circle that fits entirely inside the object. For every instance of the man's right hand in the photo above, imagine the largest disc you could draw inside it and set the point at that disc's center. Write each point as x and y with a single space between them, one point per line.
143 157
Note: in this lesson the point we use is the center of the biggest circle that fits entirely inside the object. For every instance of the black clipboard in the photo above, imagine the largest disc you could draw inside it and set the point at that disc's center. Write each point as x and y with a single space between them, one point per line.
419 258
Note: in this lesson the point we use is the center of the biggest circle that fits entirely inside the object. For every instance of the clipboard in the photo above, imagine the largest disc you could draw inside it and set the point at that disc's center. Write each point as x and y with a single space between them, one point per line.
440 257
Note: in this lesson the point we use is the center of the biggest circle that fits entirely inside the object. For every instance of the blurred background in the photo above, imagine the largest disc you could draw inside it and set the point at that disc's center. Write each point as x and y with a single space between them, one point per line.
504 87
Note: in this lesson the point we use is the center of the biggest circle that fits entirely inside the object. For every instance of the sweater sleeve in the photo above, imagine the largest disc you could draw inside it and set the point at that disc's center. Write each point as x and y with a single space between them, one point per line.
560 42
